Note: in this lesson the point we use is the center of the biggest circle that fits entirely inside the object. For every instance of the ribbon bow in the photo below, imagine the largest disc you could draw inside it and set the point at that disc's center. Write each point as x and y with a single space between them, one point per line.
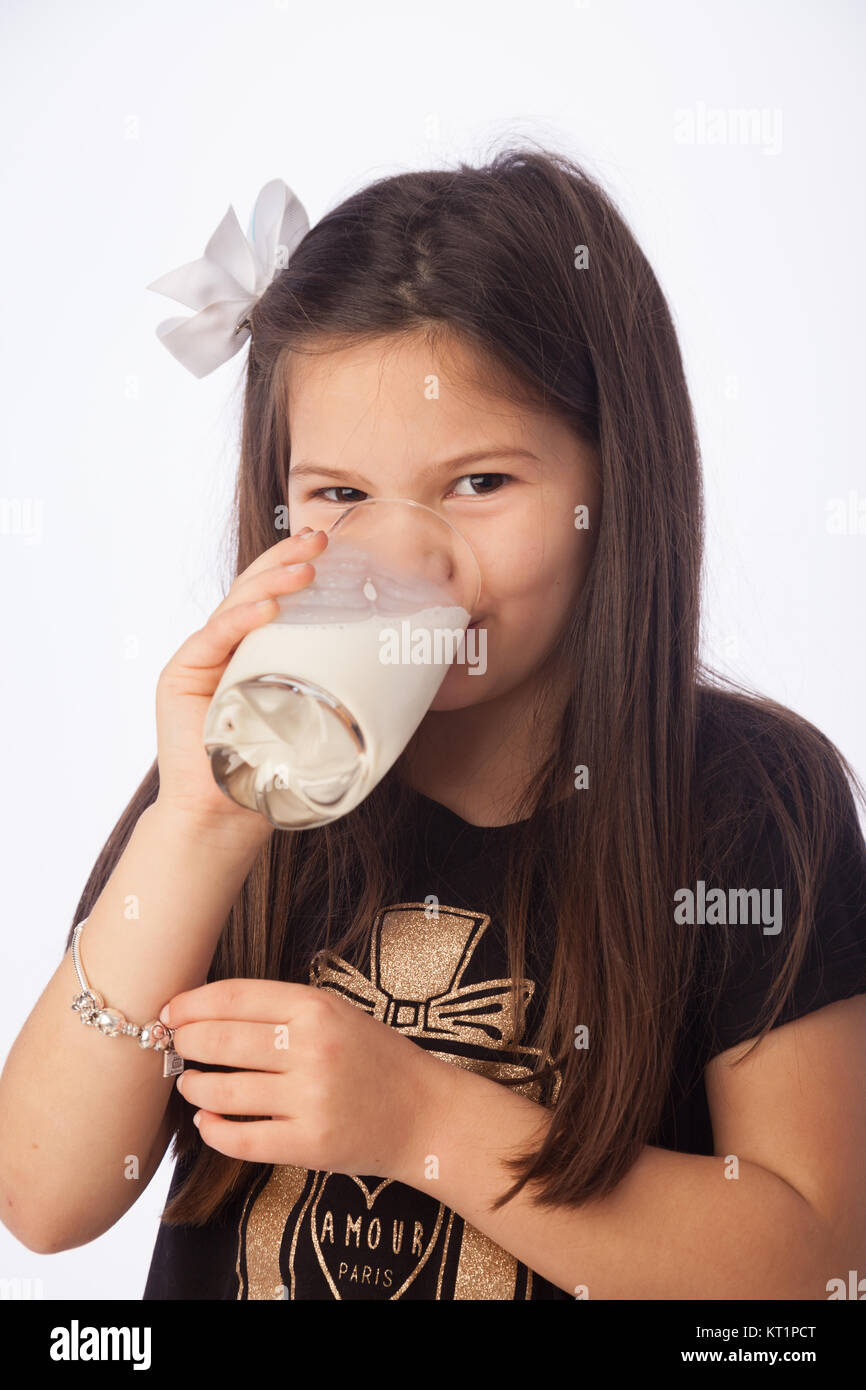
226 281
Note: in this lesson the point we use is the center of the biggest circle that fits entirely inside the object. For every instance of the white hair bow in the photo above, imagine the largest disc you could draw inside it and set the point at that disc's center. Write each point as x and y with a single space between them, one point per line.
226 281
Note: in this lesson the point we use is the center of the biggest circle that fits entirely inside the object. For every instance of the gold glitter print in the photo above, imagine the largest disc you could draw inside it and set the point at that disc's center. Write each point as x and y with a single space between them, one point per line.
304 1234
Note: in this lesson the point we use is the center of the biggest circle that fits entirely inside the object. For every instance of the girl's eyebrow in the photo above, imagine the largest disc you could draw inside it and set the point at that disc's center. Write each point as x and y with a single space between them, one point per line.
309 466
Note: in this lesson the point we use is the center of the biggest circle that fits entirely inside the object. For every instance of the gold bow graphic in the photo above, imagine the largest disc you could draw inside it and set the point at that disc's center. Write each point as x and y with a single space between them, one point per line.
418 958
482 1014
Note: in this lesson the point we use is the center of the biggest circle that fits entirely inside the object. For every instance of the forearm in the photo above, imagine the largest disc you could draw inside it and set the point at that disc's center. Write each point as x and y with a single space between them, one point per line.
76 1107
675 1227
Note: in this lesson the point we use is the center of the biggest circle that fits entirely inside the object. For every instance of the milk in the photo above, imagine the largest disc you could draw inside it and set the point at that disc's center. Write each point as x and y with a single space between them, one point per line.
302 760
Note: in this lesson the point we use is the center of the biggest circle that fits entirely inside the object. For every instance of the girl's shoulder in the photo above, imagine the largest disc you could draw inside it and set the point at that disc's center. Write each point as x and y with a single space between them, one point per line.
780 887
762 765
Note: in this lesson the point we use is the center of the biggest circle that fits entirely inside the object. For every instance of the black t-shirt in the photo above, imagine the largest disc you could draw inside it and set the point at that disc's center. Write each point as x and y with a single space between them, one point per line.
439 970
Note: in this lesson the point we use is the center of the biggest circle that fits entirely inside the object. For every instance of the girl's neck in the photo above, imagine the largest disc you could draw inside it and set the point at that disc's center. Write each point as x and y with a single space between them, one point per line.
479 761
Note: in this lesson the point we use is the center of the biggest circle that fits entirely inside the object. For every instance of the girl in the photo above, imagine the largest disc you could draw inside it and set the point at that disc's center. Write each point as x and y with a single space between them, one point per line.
575 996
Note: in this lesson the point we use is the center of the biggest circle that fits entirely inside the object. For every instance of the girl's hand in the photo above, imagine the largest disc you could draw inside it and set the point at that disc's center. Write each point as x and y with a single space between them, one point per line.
187 684
338 1090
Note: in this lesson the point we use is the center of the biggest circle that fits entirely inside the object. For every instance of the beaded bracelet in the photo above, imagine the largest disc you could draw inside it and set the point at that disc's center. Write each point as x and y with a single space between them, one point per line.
90 1006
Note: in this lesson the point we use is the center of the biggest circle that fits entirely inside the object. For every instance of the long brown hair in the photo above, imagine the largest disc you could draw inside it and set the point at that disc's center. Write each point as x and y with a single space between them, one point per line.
682 771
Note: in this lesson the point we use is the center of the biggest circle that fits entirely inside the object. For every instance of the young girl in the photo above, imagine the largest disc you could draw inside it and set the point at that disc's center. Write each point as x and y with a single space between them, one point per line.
518 978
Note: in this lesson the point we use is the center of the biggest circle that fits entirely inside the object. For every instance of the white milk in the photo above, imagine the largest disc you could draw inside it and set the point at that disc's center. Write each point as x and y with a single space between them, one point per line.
281 741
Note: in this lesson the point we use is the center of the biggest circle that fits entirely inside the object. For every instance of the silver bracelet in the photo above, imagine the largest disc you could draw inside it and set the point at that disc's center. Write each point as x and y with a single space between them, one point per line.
90 1006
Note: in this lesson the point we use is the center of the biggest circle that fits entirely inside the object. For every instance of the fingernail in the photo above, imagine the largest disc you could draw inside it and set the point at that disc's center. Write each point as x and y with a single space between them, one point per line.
164 1017
196 1119
306 531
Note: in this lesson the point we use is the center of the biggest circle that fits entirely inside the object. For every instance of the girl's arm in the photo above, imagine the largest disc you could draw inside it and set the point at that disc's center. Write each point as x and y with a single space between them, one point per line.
76 1106
681 1226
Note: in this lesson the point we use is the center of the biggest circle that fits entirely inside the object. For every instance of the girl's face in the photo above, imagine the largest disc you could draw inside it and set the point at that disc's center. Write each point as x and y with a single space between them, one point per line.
396 418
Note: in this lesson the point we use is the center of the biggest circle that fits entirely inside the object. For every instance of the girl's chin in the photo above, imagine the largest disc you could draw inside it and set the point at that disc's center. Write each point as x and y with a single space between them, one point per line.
460 689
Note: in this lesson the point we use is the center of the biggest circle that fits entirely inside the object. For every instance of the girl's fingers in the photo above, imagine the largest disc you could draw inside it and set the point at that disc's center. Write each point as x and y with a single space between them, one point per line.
278 579
212 645
250 1000
249 1139
299 547
230 1043
233 1093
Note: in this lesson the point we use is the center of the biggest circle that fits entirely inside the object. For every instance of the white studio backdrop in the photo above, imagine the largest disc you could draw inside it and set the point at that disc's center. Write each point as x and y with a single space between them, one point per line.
730 136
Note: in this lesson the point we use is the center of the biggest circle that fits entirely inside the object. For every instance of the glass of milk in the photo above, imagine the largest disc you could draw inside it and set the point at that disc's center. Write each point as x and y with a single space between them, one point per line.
315 706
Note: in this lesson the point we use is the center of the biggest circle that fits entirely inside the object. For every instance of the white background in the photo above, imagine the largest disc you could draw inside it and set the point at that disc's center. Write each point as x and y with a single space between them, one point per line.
129 129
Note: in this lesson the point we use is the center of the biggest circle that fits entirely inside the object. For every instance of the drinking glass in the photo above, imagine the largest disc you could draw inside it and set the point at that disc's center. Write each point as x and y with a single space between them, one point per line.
315 706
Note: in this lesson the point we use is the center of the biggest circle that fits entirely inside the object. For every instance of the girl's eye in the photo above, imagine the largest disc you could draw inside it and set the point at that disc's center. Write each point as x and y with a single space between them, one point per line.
474 477
320 492
468 477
